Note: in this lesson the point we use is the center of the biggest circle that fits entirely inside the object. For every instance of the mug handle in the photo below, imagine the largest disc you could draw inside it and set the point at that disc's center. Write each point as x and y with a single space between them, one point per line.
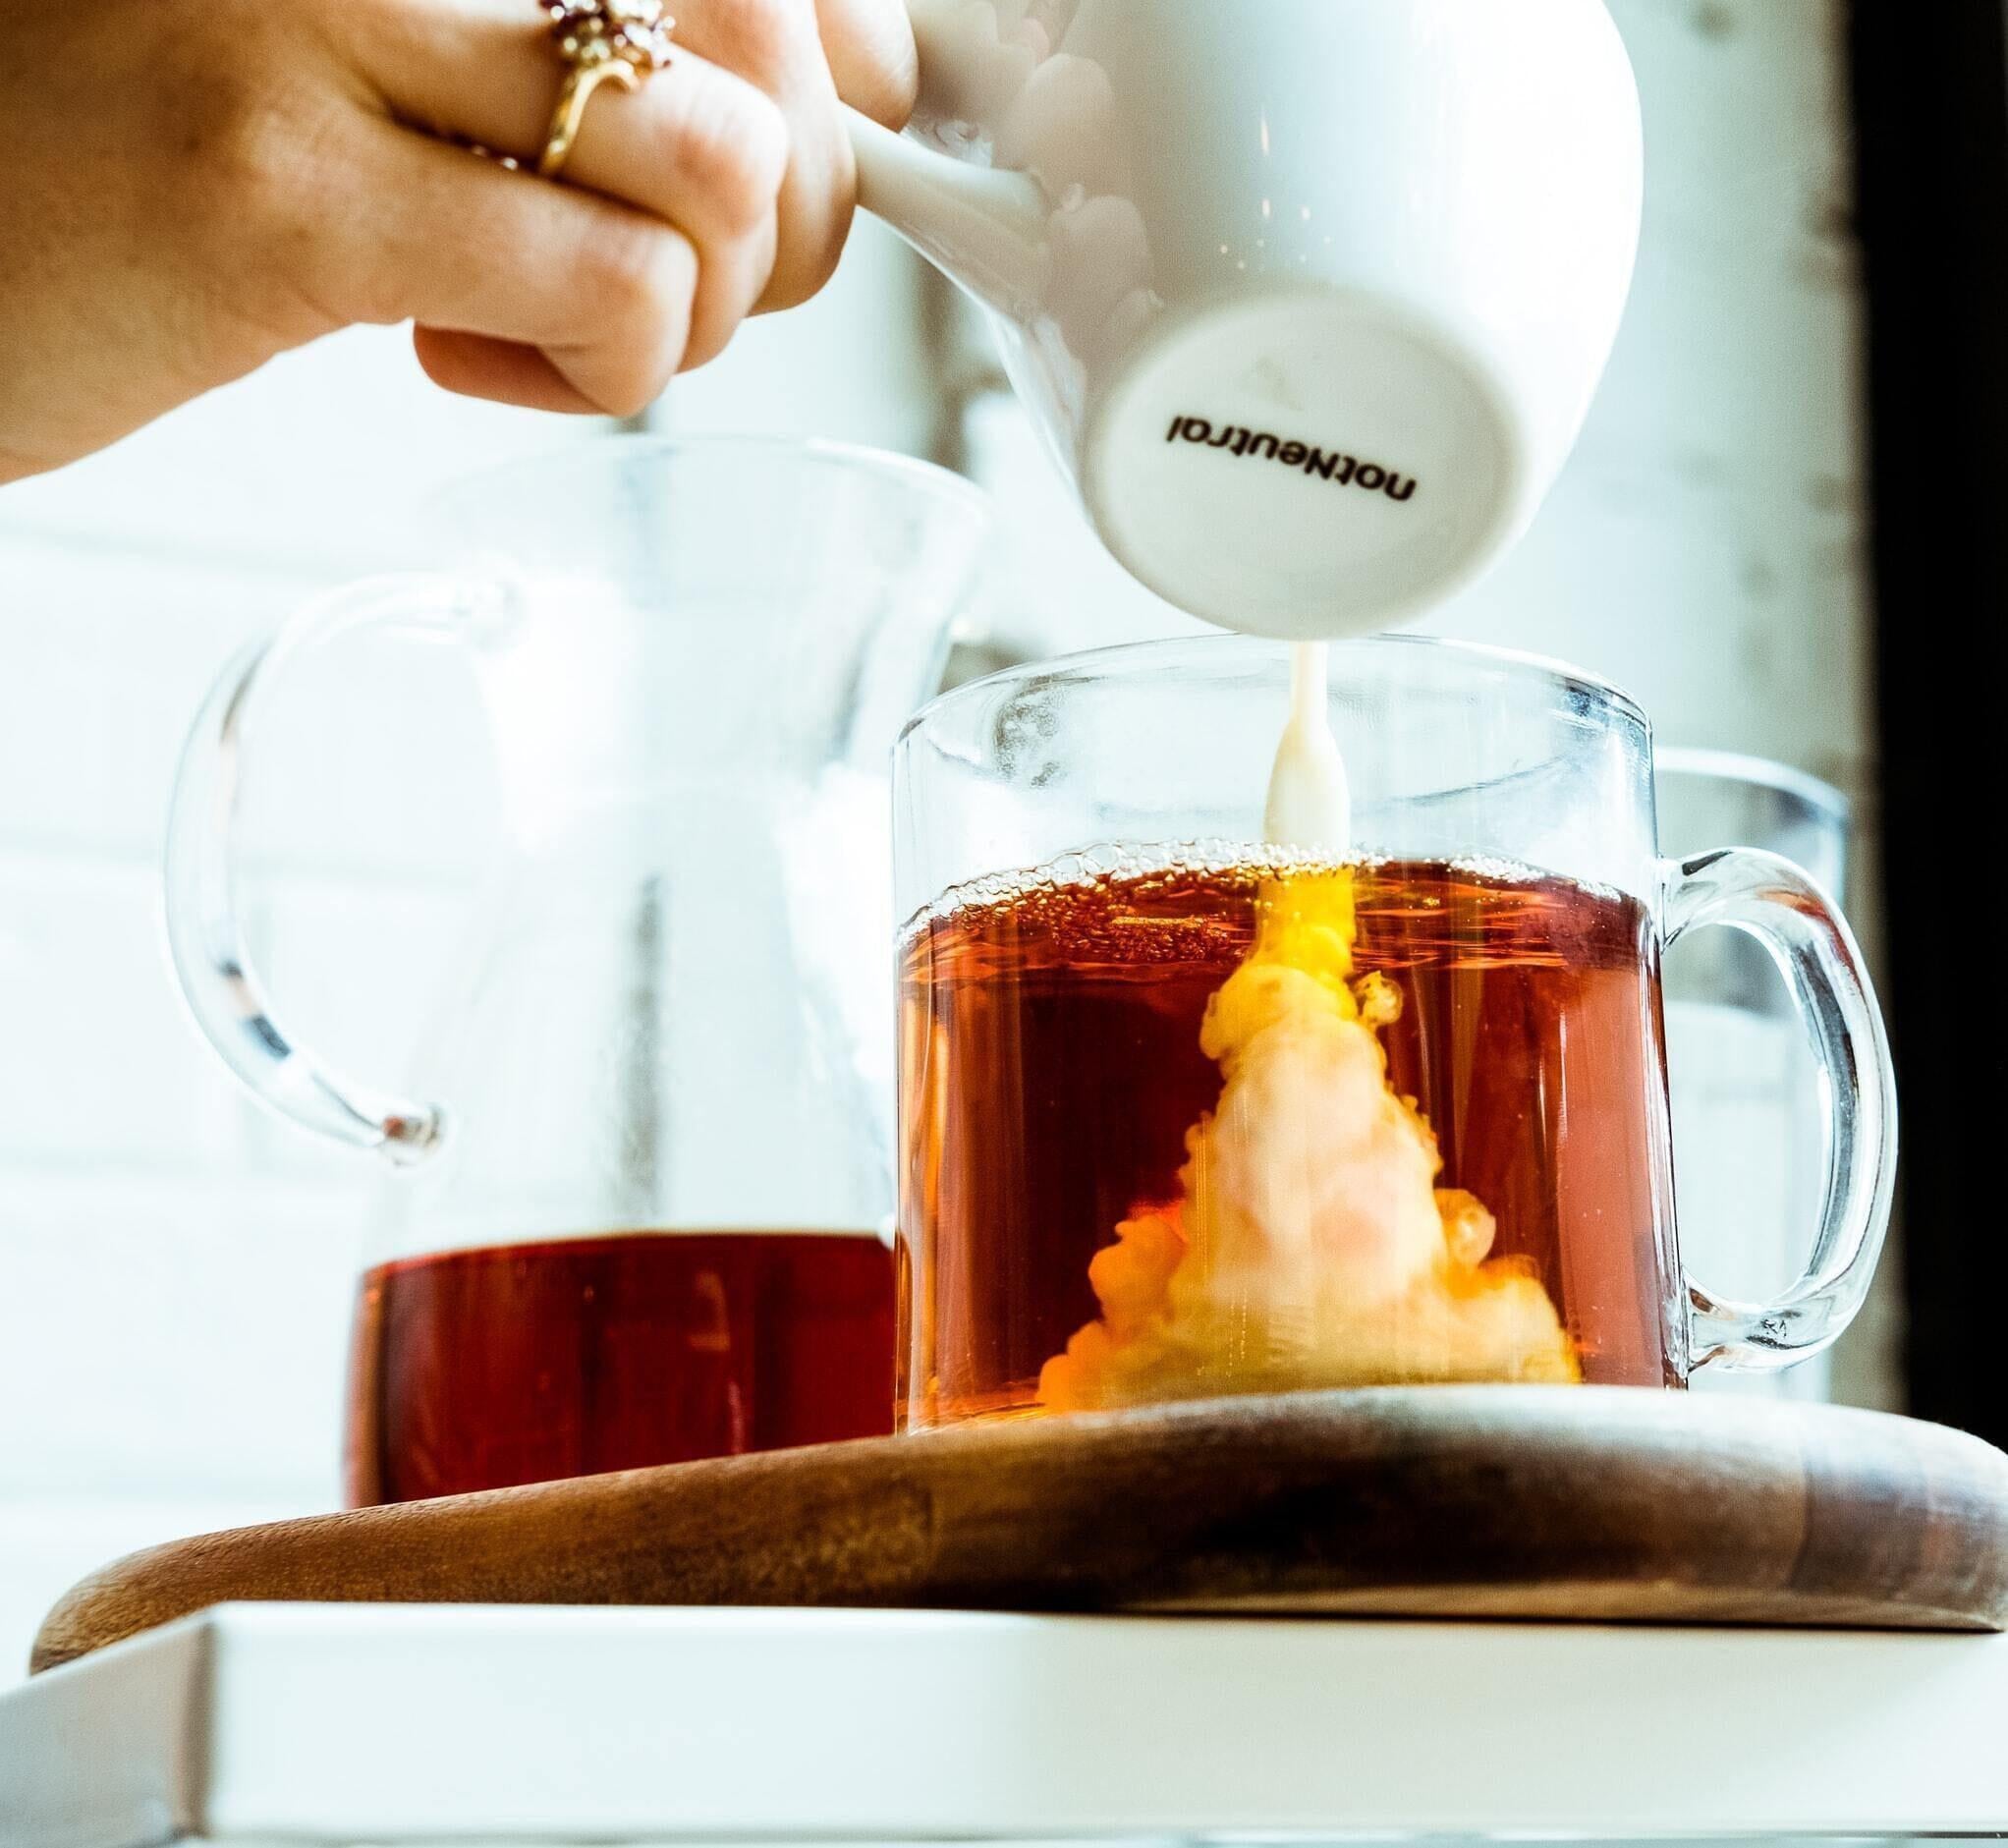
1779 904
205 936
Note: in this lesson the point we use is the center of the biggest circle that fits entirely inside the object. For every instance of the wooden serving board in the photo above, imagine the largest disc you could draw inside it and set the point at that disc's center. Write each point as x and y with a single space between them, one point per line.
1500 1501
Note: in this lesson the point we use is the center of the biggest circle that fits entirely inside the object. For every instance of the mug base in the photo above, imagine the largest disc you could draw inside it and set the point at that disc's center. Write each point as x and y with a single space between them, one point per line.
1305 464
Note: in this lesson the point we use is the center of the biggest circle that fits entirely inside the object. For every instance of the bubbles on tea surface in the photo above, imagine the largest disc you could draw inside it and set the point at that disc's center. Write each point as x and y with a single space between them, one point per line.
1214 858
1500 869
1311 1246
1067 901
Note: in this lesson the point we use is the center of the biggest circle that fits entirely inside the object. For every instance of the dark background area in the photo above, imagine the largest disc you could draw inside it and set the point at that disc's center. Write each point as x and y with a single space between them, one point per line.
1931 81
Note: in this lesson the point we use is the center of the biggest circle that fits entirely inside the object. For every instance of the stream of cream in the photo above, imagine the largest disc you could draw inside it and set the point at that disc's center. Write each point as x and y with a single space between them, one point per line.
1311 802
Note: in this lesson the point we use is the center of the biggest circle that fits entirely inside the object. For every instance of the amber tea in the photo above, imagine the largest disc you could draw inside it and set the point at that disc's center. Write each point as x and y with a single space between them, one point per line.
1176 1130
526 1362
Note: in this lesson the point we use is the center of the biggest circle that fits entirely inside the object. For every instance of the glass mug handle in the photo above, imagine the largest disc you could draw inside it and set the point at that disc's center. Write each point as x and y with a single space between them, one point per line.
206 934
1779 905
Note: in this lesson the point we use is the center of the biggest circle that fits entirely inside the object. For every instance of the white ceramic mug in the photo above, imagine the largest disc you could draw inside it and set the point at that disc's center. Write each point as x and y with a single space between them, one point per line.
1309 297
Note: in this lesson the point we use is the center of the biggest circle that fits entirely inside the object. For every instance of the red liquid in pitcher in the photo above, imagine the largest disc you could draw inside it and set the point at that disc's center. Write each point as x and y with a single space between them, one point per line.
1052 1074
527 1363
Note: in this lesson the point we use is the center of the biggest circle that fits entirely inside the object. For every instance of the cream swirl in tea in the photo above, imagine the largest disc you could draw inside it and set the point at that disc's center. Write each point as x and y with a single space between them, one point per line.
1309 1244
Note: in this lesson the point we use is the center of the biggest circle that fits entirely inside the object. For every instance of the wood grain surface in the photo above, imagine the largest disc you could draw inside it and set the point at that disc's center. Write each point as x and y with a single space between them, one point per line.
1533 1502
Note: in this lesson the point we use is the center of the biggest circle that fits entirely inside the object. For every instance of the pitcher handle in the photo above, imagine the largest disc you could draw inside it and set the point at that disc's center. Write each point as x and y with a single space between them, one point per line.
1775 901
222 986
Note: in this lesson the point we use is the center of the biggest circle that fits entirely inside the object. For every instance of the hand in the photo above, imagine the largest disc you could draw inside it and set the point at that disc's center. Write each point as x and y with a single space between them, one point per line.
189 186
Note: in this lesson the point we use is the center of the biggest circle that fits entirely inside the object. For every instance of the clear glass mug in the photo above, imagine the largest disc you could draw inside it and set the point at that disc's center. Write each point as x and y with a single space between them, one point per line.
1153 1137
637 1206
1749 1116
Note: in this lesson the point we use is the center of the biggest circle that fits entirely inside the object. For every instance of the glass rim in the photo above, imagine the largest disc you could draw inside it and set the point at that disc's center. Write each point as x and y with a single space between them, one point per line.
1735 767
473 487
1083 666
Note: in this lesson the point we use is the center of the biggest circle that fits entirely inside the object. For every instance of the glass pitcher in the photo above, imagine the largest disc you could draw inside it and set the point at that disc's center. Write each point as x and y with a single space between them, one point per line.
643 1204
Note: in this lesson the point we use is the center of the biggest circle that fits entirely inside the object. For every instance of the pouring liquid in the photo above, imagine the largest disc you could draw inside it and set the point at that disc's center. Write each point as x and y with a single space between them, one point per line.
1310 801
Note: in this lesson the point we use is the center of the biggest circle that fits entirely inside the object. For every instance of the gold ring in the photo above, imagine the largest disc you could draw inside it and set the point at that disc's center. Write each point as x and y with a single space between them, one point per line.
602 41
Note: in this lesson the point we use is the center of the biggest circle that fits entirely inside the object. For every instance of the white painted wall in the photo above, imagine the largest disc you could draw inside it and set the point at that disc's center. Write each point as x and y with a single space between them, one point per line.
174 1270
